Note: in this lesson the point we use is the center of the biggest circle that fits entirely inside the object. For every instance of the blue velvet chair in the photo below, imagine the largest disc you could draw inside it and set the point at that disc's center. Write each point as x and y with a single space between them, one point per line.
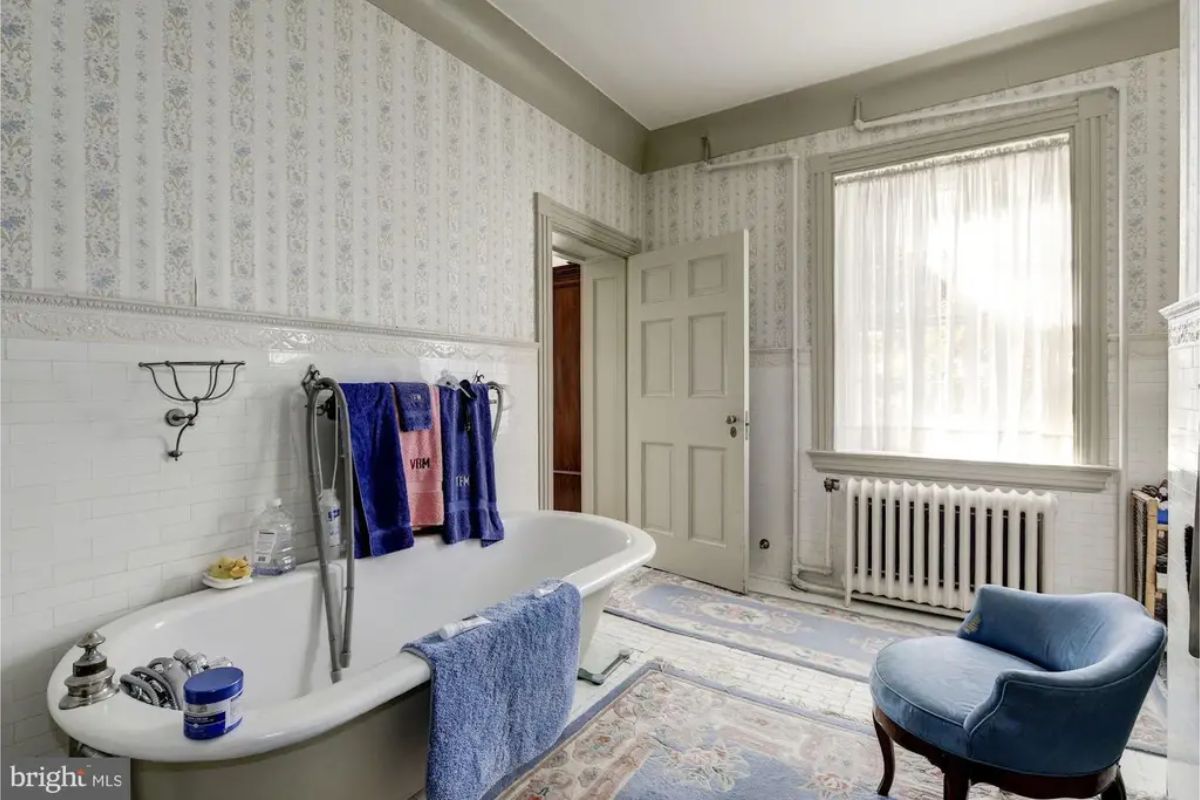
1037 694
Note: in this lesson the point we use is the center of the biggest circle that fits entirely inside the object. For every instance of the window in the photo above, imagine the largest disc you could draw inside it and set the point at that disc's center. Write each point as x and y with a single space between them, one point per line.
958 293
953 308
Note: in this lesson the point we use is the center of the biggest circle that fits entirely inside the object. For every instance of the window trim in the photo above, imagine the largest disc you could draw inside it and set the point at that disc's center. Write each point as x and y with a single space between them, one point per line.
1084 117
1071 478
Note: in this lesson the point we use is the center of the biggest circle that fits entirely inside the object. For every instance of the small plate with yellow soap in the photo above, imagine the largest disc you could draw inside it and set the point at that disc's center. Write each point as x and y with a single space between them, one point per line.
227 573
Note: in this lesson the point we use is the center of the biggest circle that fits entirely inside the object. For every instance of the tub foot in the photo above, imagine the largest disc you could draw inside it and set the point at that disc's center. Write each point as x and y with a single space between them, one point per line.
600 677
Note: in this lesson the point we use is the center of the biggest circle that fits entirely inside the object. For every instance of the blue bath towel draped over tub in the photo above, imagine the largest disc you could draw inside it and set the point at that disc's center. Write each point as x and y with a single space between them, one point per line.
469 467
381 511
500 693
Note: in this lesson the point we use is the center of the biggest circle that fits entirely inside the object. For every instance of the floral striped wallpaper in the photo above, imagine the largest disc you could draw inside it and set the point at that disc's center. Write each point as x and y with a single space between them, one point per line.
316 158
313 158
685 203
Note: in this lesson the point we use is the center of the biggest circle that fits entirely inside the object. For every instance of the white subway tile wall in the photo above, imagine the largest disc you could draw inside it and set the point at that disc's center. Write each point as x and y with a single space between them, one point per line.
97 521
1147 410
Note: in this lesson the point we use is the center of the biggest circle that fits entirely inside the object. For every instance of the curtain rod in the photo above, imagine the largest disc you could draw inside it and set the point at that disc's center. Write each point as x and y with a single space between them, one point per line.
861 124
1040 142
710 166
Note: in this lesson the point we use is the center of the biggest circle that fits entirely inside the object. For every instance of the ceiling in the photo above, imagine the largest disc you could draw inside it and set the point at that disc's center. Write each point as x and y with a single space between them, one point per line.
665 61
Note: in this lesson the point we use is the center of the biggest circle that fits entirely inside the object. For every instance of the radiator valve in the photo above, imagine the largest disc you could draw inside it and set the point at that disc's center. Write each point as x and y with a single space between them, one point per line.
832 484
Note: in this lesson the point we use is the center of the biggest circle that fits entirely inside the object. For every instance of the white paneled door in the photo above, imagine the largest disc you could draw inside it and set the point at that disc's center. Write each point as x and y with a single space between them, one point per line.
688 399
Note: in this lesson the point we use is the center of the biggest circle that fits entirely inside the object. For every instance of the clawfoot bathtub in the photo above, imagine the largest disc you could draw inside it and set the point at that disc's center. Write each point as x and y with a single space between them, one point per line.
303 736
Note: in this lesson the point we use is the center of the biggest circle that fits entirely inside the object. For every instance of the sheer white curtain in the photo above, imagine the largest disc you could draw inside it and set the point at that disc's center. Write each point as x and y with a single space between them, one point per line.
954 306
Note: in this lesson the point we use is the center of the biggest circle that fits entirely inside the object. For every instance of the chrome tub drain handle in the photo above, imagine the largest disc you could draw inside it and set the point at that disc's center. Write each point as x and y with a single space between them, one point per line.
91 677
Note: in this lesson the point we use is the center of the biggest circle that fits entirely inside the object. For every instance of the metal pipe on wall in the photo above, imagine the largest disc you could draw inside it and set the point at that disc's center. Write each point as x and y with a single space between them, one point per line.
794 259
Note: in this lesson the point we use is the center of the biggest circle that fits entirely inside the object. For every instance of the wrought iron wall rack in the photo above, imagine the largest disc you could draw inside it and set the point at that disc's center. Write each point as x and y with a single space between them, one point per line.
177 417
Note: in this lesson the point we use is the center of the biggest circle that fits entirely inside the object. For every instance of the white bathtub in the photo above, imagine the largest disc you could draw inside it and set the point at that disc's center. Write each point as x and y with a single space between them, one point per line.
296 720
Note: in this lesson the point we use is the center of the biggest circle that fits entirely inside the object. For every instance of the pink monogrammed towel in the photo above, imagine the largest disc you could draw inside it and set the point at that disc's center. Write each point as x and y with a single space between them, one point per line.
422 453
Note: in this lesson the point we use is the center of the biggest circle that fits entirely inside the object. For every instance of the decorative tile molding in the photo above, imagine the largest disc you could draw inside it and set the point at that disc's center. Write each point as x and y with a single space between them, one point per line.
39 315
1183 321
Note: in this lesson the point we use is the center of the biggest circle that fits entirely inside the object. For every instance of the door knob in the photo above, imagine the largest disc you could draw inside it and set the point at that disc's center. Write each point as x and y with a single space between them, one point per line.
732 418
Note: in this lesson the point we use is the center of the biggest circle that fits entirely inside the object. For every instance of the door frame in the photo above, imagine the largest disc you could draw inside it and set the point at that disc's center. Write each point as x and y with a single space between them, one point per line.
552 217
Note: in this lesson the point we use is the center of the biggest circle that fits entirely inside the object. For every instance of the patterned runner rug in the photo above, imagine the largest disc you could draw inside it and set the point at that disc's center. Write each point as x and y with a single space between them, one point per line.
830 639
667 735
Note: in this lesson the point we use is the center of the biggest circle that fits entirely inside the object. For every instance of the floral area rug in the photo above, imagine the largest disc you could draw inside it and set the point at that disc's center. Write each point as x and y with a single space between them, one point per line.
830 639
666 735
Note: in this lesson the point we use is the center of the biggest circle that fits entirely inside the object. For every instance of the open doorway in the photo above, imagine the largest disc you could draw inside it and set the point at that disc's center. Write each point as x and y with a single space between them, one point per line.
568 401
587 353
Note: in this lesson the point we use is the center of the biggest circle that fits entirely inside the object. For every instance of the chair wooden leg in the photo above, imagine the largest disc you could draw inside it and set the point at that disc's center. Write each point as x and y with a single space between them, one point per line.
889 761
958 774
1115 790
955 783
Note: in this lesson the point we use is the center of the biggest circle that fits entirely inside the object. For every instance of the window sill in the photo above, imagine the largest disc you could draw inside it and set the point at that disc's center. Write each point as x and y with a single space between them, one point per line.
1072 478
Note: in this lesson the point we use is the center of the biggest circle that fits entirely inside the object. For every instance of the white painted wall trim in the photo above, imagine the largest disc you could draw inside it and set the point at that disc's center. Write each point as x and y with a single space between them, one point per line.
975 473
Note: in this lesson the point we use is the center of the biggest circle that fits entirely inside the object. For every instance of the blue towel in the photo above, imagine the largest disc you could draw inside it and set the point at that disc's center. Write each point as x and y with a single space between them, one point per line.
501 693
468 465
381 506
413 401
456 471
485 516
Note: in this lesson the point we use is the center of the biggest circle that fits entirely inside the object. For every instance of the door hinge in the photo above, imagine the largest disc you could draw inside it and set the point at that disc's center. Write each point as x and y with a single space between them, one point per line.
746 423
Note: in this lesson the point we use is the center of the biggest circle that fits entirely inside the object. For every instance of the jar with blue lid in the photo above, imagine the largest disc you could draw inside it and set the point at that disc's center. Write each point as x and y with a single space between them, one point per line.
212 703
